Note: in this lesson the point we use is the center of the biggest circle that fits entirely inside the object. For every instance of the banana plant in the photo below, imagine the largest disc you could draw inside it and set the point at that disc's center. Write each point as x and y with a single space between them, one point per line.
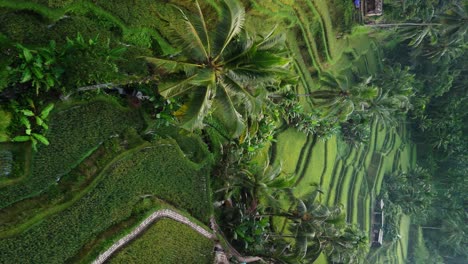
38 67
34 123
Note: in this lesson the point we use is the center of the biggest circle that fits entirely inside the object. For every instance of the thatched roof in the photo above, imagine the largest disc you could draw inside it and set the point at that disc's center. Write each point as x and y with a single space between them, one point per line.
373 7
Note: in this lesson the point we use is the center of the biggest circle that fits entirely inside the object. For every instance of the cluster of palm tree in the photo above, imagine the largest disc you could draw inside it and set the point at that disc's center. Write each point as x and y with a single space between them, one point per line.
383 98
225 73
314 228
436 35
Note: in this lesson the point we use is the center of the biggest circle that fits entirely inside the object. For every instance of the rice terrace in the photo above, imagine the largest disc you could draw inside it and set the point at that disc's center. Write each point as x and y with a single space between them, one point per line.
233 131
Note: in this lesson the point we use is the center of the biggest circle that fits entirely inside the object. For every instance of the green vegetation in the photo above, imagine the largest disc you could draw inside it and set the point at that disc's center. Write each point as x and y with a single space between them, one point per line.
167 241
115 198
71 143
284 121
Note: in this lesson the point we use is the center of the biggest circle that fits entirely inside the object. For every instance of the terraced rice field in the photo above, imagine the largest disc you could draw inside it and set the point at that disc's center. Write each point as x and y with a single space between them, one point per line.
348 176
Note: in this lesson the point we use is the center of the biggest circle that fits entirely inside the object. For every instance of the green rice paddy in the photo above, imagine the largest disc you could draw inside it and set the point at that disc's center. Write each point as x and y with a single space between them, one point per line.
348 176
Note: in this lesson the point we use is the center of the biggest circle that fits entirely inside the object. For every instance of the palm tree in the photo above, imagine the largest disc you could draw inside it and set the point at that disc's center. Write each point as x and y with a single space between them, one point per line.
341 98
221 70
261 185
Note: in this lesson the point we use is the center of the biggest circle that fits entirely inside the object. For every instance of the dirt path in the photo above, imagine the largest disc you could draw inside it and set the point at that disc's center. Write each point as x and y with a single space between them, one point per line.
164 213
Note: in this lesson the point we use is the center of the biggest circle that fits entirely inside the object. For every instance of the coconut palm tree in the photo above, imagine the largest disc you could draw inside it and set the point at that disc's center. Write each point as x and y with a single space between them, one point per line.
261 185
220 70
341 98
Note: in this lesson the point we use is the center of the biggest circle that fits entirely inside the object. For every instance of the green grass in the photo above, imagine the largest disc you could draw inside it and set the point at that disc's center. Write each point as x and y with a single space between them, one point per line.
288 149
420 253
322 259
314 165
321 36
404 233
139 35
80 181
160 170
343 188
75 131
354 193
323 9
330 159
331 192
167 241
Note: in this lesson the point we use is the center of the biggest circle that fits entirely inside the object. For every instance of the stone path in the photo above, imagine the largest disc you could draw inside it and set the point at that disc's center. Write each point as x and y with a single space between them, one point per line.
164 213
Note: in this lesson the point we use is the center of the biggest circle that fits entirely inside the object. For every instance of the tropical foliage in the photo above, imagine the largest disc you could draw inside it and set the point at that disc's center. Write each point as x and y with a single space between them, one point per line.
222 72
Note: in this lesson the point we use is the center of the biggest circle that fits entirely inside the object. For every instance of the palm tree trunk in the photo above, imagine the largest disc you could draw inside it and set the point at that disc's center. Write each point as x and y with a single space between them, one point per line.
404 24
431 227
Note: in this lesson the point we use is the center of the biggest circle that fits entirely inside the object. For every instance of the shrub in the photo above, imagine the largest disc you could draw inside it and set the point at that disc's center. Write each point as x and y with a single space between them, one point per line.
5 120
87 27
74 132
89 61
23 28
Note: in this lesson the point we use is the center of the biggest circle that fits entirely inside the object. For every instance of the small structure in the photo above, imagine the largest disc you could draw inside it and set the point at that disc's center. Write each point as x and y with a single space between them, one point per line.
372 7
378 224
6 163
377 237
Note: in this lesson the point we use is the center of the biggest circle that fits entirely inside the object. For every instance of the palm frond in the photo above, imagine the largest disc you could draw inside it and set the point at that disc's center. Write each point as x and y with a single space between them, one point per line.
272 41
197 109
194 39
243 46
226 112
201 27
174 88
251 103
174 66
232 21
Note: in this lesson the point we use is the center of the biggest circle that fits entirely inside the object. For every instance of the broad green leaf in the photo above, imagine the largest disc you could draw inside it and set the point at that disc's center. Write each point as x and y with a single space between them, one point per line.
37 72
34 143
28 131
21 138
27 112
39 121
27 54
41 139
50 81
27 75
25 122
46 111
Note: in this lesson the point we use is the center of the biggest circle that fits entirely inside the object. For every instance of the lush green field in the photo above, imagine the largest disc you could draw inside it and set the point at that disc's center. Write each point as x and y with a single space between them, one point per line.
132 181
149 172
167 242
75 132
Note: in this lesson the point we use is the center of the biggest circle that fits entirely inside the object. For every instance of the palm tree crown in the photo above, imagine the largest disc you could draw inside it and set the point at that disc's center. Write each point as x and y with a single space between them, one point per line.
221 70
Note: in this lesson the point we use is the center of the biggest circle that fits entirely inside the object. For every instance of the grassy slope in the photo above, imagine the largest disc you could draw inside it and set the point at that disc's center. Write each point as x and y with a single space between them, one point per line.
167 242
70 144
114 199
